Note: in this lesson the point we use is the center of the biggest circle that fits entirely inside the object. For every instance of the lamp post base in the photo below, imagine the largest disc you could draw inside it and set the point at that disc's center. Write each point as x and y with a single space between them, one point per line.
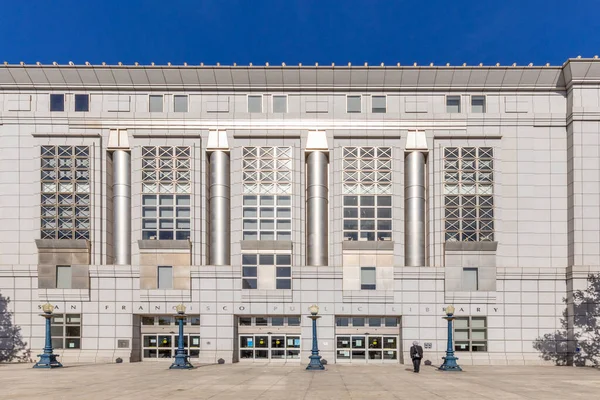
47 360
450 364
315 363
182 361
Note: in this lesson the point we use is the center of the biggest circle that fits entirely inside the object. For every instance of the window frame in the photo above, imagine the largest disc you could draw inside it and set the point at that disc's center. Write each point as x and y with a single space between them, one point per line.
63 101
248 279
258 207
162 109
469 330
63 337
368 286
273 103
187 103
464 280
261 103
373 108
158 275
81 95
454 96
70 276
483 105
360 110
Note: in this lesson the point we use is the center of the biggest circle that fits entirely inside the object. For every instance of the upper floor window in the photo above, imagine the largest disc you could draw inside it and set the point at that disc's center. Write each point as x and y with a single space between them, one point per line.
470 334
165 277
65 192
468 194
255 103
368 278
259 271
57 102
367 189
63 277
166 188
379 104
478 104
470 279
180 103
453 104
267 217
280 103
156 102
353 103
82 102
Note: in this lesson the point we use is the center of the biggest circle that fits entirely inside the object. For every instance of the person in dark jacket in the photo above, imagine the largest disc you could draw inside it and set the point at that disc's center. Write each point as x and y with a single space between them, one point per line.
416 353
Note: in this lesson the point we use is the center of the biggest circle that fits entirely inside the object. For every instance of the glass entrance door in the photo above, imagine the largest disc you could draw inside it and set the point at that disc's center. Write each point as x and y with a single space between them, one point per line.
269 347
367 348
160 346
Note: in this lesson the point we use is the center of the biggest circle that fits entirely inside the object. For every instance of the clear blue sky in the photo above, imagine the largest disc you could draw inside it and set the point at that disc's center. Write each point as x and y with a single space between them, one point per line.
293 31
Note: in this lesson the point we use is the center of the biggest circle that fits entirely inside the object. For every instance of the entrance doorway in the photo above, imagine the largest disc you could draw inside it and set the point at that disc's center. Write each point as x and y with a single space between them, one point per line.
367 339
164 346
268 338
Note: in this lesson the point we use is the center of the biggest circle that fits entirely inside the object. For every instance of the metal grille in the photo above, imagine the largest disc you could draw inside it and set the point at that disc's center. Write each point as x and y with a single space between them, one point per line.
468 194
267 170
65 192
166 188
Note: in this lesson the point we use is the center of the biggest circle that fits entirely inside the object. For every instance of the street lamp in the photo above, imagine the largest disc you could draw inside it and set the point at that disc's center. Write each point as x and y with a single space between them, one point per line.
182 360
48 358
315 358
450 361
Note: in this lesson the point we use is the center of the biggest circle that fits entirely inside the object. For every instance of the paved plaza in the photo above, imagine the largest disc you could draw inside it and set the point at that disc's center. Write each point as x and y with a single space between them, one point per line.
239 381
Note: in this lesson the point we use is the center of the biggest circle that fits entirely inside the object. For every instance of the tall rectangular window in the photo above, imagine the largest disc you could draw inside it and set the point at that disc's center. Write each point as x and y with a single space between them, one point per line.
367 189
267 177
379 104
255 103
166 189
65 192
283 271
470 279
280 103
165 277
180 103
469 194
63 277
156 103
82 102
66 331
470 334
353 104
368 278
453 104
249 271
478 104
57 102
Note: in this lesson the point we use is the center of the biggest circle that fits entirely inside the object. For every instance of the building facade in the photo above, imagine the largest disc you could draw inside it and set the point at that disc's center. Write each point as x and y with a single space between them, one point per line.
381 194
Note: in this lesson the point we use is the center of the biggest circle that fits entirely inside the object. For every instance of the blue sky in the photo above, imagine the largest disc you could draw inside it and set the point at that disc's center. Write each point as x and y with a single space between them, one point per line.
293 31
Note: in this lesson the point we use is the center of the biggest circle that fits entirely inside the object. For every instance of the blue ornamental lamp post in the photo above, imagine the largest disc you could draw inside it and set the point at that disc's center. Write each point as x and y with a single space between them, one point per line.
450 361
315 358
48 358
182 360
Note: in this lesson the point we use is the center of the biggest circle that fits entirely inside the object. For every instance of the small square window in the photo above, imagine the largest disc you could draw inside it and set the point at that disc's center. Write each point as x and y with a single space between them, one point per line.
255 104
453 104
353 104
57 102
368 278
165 277
82 102
470 279
279 104
63 277
180 103
156 103
378 105
478 104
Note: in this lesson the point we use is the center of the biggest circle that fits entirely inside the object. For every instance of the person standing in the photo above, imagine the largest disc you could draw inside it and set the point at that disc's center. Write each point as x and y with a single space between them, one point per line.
416 353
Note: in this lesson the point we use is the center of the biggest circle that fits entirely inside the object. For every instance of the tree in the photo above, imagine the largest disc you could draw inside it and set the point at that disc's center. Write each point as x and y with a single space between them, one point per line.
12 346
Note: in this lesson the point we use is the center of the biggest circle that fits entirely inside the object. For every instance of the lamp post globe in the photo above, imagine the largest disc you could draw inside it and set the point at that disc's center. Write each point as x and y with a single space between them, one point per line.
182 360
450 363
48 358
315 359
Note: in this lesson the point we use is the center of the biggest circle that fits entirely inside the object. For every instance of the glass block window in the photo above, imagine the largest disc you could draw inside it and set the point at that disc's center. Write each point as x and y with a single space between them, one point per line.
468 194
166 189
66 331
470 334
367 188
255 266
267 170
267 217
65 192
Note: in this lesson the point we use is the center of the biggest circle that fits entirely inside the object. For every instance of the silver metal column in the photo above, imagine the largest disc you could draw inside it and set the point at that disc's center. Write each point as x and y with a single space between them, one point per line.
414 209
219 206
317 209
122 207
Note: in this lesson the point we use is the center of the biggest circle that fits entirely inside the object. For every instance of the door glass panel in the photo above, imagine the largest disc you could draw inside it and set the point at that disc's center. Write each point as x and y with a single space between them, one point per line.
164 341
261 354
277 354
247 341
164 353
374 355
390 355
295 354
246 354
262 342
358 342
343 342
195 341
277 342
390 342
358 354
293 342
374 342
150 341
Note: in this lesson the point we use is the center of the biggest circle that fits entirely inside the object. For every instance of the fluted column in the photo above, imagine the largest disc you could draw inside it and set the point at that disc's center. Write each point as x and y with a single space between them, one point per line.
122 207
317 205
414 209
219 206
